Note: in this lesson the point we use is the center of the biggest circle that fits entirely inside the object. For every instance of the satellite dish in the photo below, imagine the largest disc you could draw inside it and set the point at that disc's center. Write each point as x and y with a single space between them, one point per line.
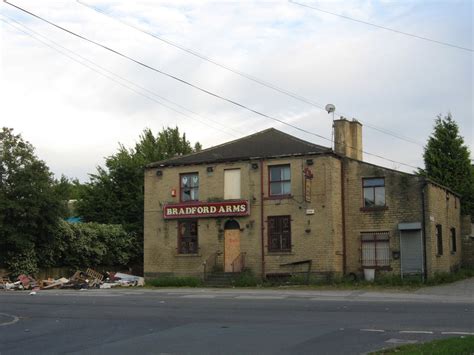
330 108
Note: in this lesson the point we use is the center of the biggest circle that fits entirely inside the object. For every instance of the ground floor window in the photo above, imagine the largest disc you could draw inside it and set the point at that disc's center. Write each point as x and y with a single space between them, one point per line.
279 233
453 240
188 237
375 249
439 239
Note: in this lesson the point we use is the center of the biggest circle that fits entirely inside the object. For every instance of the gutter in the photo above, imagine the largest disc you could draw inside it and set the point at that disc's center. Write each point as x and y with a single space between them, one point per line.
423 226
343 212
262 226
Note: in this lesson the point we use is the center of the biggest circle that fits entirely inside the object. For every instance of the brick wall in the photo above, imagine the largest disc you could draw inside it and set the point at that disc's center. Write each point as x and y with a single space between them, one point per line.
467 242
403 205
442 208
317 236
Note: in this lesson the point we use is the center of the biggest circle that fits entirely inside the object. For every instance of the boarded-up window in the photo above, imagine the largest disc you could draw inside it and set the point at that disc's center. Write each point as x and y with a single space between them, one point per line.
375 249
232 184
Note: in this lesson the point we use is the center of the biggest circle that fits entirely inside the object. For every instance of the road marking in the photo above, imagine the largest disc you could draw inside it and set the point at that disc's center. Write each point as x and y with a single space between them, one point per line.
401 341
260 297
373 330
457 333
13 321
415 332
198 296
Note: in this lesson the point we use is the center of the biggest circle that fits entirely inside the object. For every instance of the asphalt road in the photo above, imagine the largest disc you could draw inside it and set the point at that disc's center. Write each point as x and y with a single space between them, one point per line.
222 322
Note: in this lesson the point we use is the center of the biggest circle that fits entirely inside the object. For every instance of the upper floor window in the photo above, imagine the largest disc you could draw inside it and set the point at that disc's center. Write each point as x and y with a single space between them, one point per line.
231 184
439 239
280 180
374 192
189 187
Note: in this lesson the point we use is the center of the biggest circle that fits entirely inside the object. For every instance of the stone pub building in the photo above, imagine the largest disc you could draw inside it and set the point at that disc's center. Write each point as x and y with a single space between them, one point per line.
274 203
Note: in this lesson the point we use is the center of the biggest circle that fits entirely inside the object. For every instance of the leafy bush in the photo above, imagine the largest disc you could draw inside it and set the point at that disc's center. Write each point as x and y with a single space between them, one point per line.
22 263
246 279
81 245
174 281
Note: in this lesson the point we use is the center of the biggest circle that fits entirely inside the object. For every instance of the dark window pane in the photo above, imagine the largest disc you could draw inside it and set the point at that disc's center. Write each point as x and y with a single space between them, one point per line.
275 173
369 197
275 188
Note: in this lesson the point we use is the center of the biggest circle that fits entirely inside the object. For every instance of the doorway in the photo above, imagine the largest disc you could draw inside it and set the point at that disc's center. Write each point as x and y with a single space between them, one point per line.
232 246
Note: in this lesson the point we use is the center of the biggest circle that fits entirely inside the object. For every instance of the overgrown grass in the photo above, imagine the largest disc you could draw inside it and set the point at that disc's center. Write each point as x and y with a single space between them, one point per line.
246 279
380 282
460 346
175 281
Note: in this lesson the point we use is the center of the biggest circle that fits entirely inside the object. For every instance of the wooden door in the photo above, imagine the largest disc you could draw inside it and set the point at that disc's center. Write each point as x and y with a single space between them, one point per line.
231 248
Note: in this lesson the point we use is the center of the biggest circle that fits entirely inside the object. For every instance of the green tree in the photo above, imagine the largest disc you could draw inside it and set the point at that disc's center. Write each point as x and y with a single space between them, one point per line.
29 208
67 190
114 194
447 161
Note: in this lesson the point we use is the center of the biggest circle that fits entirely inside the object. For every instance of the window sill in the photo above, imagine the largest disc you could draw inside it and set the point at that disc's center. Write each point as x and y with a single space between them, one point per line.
188 255
374 209
453 253
381 268
278 197
439 255
278 253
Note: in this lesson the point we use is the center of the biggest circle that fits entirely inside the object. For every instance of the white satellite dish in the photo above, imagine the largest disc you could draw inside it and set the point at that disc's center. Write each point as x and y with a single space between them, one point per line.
330 108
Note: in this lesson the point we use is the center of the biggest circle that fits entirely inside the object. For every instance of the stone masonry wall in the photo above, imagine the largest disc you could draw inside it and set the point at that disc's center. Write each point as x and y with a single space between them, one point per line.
467 241
403 205
442 208
316 237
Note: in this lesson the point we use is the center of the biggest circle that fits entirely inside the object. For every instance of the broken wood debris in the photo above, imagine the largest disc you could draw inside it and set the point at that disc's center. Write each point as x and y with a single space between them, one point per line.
79 280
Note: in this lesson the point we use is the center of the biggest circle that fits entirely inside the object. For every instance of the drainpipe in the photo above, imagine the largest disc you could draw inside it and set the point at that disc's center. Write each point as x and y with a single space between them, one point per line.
343 212
423 209
262 226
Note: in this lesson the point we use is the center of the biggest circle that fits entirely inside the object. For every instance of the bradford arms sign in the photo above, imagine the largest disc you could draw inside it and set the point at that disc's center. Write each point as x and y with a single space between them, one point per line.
206 209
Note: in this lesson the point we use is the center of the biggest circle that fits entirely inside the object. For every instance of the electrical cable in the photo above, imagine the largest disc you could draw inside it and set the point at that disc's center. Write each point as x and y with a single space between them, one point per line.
108 71
235 103
245 75
383 27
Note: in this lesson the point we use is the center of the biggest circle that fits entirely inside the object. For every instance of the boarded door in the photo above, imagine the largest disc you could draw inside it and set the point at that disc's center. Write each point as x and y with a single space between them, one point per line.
411 250
231 248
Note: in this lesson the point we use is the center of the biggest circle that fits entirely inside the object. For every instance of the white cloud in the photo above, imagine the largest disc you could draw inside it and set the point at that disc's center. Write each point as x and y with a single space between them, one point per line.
75 117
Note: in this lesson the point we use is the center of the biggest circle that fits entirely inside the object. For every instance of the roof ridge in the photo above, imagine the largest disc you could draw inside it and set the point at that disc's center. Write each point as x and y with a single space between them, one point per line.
213 147
271 138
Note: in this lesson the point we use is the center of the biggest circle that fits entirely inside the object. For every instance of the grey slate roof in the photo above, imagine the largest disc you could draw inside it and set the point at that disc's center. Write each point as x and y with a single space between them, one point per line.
265 144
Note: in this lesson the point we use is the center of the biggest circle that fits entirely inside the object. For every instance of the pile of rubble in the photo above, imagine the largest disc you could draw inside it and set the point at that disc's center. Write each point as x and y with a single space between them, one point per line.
79 281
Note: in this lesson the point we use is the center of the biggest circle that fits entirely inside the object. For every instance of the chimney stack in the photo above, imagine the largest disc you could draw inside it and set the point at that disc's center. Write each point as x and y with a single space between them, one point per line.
348 138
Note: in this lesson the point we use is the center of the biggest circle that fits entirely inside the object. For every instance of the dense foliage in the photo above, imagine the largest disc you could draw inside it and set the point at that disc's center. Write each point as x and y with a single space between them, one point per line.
447 161
32 205
114 194
29 208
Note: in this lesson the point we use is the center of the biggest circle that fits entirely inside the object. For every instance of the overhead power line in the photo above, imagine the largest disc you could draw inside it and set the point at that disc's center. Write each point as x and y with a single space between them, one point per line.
30 34
383 27
235 103
246 75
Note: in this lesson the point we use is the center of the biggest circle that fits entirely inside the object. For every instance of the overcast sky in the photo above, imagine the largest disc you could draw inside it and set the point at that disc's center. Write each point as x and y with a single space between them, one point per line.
75 116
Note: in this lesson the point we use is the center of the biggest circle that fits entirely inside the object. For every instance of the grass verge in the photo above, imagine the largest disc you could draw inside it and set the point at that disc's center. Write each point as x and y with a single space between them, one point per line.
174 281
461 346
